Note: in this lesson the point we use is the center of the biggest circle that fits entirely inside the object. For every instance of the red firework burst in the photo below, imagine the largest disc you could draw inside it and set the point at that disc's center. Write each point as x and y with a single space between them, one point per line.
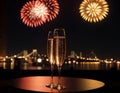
36 12
53 8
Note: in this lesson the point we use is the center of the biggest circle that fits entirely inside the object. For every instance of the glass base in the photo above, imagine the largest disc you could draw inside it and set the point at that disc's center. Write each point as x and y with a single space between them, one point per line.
51 86
60 87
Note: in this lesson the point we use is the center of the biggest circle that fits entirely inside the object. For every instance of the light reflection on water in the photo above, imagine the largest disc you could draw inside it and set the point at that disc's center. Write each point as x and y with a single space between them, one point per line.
93 66
79 66
22 66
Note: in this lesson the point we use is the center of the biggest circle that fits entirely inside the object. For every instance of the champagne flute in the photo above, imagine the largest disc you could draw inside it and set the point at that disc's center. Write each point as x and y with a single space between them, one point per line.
59 52
50 56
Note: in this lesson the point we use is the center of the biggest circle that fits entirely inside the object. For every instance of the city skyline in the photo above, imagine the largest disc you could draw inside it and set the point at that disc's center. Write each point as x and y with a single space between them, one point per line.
101 37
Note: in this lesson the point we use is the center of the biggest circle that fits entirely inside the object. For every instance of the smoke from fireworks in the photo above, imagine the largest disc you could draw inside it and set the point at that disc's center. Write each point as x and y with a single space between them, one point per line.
37 12
94 10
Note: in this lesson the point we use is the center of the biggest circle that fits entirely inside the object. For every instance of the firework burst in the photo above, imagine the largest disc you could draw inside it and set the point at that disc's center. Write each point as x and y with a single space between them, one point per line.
37 12
34 13
53 8
94 10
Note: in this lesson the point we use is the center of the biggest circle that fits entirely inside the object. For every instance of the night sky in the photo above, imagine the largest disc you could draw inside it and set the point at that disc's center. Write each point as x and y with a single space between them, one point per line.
103 37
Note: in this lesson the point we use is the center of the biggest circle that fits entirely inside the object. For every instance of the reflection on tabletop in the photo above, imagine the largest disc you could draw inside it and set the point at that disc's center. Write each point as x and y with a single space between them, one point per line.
38 83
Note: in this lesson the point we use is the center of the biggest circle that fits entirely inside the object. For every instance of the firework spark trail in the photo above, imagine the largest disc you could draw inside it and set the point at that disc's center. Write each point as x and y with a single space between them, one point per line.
94 10
37 12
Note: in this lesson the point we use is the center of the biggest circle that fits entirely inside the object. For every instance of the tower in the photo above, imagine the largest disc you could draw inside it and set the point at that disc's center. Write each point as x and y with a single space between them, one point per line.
73 54
3 28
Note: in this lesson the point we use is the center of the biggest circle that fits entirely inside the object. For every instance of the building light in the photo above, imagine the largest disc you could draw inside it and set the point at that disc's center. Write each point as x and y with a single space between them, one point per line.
39 60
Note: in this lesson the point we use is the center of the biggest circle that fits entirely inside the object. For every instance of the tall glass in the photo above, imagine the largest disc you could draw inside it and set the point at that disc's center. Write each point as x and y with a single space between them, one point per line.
50 56
59 52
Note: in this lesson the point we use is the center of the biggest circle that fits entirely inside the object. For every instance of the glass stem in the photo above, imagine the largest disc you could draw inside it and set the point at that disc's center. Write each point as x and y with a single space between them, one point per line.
59 73
51 73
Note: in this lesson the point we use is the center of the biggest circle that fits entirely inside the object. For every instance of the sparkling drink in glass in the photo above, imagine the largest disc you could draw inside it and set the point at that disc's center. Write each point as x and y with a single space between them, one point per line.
59 52
50 56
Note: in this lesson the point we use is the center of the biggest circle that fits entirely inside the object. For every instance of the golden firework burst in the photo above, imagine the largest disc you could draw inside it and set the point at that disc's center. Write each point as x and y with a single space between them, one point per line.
94 10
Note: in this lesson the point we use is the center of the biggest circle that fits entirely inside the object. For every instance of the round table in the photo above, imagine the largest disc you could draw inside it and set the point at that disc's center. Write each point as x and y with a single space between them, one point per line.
38 83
